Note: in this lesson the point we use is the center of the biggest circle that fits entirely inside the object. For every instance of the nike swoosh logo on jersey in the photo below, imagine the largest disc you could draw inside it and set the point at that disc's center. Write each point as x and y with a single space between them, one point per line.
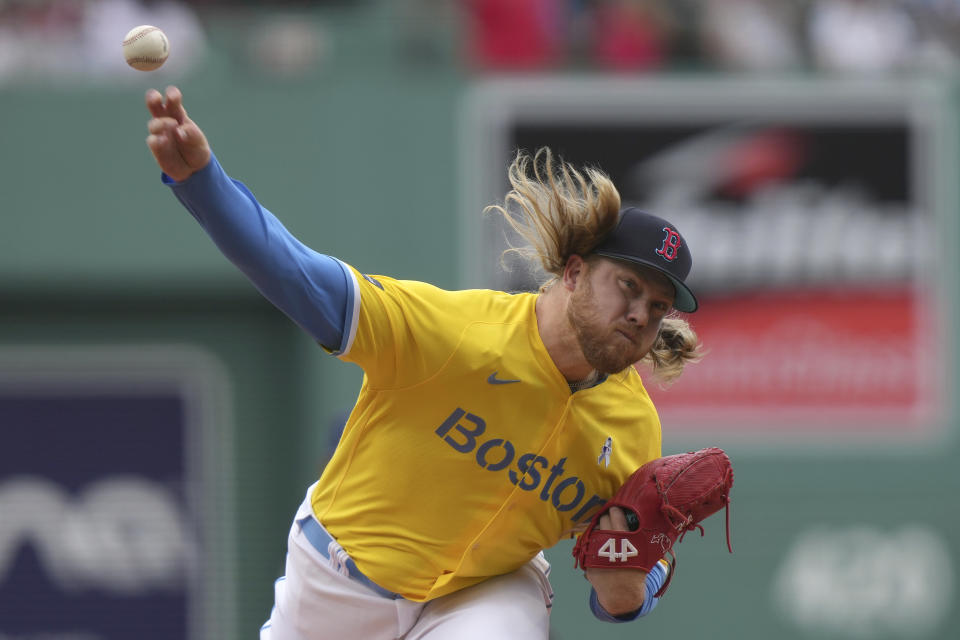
493 379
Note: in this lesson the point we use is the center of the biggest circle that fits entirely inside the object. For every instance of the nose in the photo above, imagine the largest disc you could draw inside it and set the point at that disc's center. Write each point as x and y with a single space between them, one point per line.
638 313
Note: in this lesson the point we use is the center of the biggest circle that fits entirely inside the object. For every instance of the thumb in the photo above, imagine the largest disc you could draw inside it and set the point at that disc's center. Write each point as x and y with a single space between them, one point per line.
618 519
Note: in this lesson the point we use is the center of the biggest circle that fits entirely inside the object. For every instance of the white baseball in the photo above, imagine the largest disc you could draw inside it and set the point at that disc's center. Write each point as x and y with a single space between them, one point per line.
146 48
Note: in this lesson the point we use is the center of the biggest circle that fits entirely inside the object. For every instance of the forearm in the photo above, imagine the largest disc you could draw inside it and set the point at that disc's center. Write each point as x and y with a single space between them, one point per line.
311 288
622 599
652 584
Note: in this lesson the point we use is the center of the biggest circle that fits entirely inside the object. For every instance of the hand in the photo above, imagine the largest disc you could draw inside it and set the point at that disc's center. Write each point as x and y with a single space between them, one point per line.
619 591
177 143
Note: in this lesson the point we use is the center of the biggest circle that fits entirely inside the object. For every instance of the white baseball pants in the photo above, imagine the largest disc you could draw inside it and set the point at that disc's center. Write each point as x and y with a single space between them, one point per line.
318 599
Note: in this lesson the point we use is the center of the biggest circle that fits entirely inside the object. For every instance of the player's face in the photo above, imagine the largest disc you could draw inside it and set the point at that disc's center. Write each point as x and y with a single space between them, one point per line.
616 310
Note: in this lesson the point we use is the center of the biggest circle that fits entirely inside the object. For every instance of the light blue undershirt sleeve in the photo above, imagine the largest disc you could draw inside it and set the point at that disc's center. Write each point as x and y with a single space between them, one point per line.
653 583
316 291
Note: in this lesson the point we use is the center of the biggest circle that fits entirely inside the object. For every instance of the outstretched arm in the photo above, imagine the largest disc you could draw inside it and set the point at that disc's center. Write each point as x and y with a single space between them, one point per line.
316 291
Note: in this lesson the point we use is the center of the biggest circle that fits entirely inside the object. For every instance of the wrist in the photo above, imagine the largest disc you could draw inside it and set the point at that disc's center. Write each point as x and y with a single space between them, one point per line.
622 601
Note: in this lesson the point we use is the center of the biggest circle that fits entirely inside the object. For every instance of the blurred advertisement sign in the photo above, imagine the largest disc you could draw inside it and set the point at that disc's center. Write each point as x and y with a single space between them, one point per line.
107 494
811 360
817 213
852 582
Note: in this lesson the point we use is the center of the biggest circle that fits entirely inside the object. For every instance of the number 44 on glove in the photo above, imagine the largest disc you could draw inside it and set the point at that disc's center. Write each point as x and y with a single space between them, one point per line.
669 497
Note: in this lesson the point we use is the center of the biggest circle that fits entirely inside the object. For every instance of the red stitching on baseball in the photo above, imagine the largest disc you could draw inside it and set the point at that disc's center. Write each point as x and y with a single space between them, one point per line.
139 35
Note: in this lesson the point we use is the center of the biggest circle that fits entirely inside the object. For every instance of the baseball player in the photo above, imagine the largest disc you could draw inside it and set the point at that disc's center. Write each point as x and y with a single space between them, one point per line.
488 426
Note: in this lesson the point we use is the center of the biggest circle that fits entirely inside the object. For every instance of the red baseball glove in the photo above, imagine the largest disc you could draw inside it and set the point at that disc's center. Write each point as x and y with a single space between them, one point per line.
669 496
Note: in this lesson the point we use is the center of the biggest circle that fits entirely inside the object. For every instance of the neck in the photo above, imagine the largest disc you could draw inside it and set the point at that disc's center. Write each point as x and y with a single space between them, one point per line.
559 338
586 383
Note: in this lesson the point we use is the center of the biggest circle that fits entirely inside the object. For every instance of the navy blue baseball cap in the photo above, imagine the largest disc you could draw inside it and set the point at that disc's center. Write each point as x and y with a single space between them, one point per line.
653 242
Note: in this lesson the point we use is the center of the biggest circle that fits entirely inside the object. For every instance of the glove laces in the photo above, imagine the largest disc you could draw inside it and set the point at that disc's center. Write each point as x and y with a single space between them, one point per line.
727 481
687 524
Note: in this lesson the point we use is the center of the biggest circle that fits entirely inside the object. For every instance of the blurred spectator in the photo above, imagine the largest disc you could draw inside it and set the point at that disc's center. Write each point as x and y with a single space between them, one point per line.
750 35
79 40
863 36
630 35
515 34
939 24
39 35
288 46
107 21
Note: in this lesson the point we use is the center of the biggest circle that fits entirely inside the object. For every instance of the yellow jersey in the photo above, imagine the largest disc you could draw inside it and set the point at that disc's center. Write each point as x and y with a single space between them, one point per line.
466 453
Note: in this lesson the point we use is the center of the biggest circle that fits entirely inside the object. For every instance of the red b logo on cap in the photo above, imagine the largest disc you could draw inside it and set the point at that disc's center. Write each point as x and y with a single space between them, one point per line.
671 244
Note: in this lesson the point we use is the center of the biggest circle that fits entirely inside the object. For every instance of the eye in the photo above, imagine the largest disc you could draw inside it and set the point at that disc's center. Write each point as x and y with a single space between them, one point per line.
628 284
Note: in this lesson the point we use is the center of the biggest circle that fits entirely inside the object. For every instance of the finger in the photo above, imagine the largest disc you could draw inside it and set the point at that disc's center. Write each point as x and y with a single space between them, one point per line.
175 105
604 522
190 134
618 519
154 142
157 126
166 154
155 103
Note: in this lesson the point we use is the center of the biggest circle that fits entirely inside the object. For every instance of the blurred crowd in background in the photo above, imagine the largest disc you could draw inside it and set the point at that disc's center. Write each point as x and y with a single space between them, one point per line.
63 38
731 35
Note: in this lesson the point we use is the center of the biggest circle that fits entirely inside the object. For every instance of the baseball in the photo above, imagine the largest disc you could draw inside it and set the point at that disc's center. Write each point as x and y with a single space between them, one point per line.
146 48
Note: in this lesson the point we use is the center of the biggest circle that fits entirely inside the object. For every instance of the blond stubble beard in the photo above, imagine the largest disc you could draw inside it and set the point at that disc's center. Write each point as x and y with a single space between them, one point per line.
594 336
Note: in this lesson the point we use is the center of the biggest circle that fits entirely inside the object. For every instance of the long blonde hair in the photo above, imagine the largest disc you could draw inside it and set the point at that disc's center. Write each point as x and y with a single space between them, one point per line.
677 345
561 211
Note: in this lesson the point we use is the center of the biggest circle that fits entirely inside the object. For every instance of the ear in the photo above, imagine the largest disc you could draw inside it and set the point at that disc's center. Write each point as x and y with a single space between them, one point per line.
575 268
